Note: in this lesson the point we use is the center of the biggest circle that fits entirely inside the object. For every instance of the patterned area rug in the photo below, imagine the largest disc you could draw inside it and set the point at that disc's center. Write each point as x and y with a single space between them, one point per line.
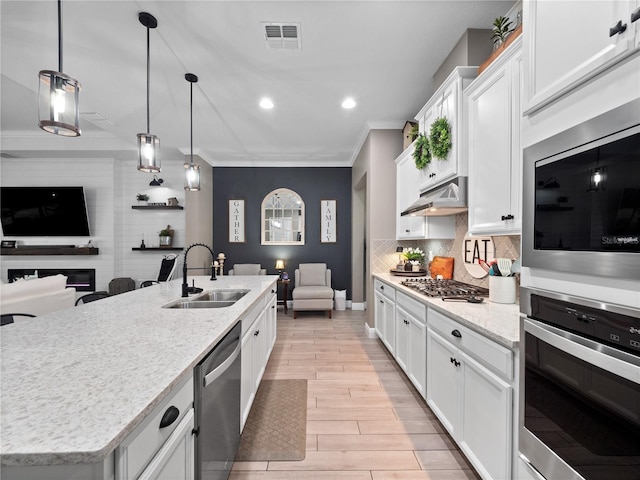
277 425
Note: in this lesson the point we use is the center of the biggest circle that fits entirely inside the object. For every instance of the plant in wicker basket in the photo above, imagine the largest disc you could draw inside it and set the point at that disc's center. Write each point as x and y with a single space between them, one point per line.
421 152
440 138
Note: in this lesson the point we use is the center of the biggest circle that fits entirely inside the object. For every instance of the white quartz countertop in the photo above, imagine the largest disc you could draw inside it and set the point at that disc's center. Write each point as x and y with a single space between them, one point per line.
497 321
76 382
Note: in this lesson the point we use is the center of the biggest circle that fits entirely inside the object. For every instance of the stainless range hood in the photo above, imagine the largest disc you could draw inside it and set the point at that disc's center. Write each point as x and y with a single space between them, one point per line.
447 199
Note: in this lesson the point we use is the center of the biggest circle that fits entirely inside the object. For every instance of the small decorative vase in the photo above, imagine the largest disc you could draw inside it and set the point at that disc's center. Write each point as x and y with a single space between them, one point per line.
165 241
408 267
415 268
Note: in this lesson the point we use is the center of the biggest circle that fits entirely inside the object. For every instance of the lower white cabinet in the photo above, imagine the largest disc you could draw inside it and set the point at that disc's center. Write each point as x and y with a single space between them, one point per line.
259 334
176 458
473 403
411 340
384 312
151 452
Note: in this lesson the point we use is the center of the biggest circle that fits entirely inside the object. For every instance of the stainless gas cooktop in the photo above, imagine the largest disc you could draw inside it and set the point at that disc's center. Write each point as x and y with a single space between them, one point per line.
445 288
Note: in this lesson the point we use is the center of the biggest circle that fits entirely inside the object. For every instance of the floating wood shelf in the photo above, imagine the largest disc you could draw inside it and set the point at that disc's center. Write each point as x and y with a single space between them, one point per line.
156 249
157 207
49 250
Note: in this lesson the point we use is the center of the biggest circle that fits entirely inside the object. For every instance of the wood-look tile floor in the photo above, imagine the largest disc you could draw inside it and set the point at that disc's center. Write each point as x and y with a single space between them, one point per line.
365 421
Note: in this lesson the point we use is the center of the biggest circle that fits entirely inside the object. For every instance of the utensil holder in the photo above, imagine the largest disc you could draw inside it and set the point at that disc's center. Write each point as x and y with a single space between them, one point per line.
502 289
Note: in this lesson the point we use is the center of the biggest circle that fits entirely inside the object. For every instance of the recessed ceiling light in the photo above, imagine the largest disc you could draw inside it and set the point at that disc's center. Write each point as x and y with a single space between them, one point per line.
266 103
348 103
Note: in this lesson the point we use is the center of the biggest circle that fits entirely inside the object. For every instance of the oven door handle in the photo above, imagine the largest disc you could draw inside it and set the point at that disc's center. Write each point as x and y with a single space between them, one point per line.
614 361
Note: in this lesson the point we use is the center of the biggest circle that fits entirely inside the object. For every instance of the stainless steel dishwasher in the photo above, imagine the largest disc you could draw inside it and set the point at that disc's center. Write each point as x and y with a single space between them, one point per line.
217 408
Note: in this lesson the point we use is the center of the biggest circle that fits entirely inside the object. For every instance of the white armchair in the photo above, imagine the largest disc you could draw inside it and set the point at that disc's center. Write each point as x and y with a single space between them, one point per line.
247 269
312 289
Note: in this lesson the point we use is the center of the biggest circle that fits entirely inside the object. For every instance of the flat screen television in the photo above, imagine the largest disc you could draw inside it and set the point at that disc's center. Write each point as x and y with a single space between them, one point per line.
44 211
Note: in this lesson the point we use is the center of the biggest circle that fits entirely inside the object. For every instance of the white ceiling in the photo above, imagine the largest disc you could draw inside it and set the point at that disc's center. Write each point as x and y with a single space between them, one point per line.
382 53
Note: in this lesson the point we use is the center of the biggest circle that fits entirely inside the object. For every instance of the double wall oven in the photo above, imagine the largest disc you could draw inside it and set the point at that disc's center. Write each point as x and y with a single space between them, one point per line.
580 374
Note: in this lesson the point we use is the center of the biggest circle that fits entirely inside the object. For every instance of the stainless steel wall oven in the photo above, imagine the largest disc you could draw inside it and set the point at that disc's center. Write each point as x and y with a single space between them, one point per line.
581 198
580 388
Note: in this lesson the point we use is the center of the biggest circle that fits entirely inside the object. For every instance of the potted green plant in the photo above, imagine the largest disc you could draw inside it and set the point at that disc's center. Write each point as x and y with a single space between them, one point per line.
415 257
166 236
501 30
142 198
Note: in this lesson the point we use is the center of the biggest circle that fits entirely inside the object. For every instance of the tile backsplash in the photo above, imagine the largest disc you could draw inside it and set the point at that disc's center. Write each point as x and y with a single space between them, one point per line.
384 257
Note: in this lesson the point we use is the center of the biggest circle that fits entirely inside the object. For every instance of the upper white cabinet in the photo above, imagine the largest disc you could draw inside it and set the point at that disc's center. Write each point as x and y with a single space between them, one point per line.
407 192
567 43
414 227
448 101
494 152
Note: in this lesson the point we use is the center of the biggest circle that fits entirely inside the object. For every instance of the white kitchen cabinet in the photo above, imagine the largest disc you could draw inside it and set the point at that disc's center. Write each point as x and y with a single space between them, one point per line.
448 101
258 337
176 458
411 340
407 192
271 310
151 452
567 43
384 313
469 388
494 152
413 227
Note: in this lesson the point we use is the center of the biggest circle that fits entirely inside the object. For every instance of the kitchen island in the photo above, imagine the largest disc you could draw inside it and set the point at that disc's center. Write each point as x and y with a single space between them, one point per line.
75 383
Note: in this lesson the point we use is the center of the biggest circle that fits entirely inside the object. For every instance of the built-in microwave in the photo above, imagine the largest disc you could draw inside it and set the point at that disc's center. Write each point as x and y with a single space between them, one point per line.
581 198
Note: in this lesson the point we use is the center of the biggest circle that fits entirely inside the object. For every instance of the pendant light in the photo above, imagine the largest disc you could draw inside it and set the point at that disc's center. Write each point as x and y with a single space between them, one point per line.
192 177
148 144
58 108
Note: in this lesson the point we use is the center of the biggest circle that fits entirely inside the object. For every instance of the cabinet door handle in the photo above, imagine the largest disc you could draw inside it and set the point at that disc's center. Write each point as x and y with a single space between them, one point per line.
456 363
635 15
617 28
507 217
256 333
456 333
170 416
407 230
381 287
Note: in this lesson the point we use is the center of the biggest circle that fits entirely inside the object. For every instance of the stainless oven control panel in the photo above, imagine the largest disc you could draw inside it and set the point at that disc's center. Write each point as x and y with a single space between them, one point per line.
614 329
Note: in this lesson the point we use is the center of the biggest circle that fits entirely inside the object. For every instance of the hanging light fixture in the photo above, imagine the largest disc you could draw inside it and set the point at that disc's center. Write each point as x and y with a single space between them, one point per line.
148 144
58 108
192 177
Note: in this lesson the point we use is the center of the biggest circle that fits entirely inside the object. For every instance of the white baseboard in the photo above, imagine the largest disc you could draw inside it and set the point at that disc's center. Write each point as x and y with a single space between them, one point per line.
371 332
358 306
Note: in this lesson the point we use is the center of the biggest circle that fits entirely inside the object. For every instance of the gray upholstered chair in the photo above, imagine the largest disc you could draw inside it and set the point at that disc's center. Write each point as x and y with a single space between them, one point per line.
312 289
247 269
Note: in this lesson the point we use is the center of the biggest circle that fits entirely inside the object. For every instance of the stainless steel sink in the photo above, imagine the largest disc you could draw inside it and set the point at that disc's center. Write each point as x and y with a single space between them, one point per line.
209 299
220 295
200 304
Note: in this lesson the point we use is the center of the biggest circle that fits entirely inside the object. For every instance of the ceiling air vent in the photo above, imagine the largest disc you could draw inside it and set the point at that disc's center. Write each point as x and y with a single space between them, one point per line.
282 36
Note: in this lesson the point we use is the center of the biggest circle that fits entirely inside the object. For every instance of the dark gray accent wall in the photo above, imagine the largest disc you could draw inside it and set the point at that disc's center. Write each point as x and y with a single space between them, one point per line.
313 185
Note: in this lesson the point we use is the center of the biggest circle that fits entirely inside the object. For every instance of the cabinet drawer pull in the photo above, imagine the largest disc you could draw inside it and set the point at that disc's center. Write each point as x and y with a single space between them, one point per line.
170 416
507 217
456 333
617 28
256 333
635 15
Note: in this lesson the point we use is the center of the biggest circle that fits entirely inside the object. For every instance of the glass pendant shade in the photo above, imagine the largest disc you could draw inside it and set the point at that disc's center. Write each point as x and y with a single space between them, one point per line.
58 108
148 153
192 178
58 102
192 173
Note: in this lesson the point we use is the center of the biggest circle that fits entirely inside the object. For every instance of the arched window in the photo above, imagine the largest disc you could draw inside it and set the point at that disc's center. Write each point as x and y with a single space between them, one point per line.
282 218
